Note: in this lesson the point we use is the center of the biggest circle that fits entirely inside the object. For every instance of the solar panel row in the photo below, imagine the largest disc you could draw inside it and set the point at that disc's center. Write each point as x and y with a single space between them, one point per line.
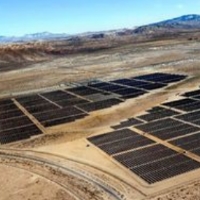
58 95
19 133
83 91
192 93
71 102
8 108
14 125
126 144
156 163
197 97
187 104
11 114
174 166
67 119
189 143
3 102
128 123
112 136
161 77
159 114
119 141
168 128
123 91
28 98
94 106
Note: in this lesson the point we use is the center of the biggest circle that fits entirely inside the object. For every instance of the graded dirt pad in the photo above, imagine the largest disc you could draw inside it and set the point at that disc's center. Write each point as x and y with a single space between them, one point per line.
69 141
21 184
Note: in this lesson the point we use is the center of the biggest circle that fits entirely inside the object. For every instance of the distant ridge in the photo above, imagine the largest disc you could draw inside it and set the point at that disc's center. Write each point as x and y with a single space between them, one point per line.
185 22
175 25
34 37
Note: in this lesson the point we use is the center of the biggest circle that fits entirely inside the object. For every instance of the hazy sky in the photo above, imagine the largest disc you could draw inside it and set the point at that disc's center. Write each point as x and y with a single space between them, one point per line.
18 17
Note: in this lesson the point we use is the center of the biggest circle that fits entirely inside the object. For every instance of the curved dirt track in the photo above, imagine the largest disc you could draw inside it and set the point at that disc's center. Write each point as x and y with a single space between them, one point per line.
79 184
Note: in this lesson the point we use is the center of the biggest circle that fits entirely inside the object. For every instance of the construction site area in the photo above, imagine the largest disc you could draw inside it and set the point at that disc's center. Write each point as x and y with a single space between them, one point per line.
115 124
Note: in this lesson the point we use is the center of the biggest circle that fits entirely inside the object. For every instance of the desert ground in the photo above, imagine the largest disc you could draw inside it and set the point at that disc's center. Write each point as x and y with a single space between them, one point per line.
61 164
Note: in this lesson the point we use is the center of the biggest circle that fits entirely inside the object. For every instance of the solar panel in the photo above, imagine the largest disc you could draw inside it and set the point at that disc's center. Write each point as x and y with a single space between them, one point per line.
132 82
57 114
175 166
112 88
123 81
190 107
14 123
119 141
58 95
159 114
5 101
127 123
128 91
156 163
197 97
133 95
188 143
181 102
71 102
159 124
11 114
28 98
8 108
192 93
34 102
83 90
41 108
168 128
126 144
14 128
161 77
99 85
111 136
93 106
58 121
196 151
192 117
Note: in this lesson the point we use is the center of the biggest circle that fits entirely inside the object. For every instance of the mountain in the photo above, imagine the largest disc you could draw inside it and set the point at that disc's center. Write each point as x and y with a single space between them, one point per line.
45 35
183 23
176 25
34 37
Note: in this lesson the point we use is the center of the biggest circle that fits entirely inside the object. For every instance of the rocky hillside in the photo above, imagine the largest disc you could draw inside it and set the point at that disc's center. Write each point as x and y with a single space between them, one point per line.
183 23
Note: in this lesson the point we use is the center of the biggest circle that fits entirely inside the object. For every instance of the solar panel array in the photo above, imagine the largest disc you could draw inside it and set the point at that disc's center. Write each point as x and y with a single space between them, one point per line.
150 161
190 104
176 121
156 163
14 125
53 108
64 106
